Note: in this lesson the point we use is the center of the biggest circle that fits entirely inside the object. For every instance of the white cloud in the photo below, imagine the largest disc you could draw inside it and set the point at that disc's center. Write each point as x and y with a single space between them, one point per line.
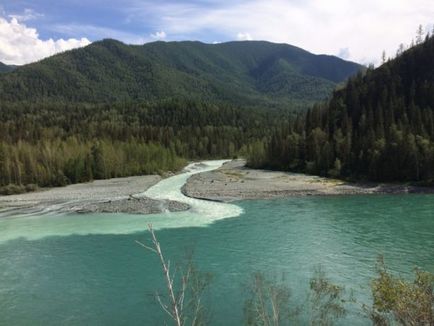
28 14
159 35
20 44
98 33
244 37
357 30
344 53
365 27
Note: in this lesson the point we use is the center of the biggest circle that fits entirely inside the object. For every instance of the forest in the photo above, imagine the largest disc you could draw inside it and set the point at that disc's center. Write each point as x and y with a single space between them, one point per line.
379 126
254 73
54 144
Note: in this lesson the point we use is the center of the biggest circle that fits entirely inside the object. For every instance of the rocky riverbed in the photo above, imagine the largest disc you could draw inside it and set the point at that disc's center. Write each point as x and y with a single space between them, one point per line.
118 195
233 181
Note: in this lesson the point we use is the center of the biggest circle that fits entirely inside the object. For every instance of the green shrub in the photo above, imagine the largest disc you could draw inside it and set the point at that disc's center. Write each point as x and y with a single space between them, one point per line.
12 189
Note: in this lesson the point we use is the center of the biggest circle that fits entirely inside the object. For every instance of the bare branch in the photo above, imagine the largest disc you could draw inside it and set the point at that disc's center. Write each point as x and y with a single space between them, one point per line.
175 315
165 308
146 247
183 303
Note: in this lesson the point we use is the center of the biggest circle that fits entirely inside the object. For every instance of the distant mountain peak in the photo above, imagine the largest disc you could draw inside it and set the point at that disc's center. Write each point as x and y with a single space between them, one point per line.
239 72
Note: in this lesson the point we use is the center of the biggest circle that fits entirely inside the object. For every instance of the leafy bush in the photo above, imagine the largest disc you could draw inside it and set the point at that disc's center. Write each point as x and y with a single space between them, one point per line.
12 189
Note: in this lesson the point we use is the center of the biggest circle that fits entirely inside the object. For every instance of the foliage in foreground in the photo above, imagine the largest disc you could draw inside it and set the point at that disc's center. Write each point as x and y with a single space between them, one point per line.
396 301
184 293
269 302
327 300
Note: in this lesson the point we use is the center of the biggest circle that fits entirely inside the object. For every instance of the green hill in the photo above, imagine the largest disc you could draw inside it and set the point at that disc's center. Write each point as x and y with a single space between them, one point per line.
6 68
240 73
379 127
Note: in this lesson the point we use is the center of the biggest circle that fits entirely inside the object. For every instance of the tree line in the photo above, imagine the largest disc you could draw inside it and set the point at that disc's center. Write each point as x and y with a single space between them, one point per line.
25 166
380 126
54 144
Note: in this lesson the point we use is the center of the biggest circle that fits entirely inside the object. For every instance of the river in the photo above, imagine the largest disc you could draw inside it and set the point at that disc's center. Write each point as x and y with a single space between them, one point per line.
75 269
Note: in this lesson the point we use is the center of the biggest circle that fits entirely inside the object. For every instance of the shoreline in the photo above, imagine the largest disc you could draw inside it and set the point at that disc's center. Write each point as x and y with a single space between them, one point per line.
233 181
116 195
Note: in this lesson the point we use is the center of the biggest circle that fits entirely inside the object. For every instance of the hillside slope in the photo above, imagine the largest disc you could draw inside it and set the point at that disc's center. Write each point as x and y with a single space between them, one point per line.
379 127
240 73
6 68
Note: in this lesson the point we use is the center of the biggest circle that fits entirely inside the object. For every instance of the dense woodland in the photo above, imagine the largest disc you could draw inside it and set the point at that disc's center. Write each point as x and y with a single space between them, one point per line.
379 127
6 68
111 109
56 144
253 73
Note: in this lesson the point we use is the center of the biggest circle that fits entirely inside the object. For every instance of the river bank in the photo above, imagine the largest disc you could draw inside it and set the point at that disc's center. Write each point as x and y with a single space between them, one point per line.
233 181
117 195
230 182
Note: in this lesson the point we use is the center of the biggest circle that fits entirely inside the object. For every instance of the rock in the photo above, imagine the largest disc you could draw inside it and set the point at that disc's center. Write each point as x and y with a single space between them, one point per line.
131 205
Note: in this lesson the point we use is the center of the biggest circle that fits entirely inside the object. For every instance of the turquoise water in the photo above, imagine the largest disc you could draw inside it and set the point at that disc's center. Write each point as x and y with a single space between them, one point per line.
88 270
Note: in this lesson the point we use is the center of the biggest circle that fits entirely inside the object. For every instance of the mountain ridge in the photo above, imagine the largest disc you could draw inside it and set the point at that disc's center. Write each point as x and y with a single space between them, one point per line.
379 127
6 68
238 72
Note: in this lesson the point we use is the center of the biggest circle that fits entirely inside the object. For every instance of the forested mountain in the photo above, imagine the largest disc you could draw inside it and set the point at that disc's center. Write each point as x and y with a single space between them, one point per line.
110 109
379 127
239 73
6 68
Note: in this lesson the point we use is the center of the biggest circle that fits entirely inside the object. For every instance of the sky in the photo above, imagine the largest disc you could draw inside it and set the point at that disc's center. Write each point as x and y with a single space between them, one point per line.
356 30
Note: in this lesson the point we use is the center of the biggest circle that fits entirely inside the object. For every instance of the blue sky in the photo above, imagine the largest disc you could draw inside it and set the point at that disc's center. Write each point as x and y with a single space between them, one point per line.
357 30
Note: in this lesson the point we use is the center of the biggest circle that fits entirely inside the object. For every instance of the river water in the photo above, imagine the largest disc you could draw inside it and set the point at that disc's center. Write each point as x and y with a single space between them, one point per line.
86 269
